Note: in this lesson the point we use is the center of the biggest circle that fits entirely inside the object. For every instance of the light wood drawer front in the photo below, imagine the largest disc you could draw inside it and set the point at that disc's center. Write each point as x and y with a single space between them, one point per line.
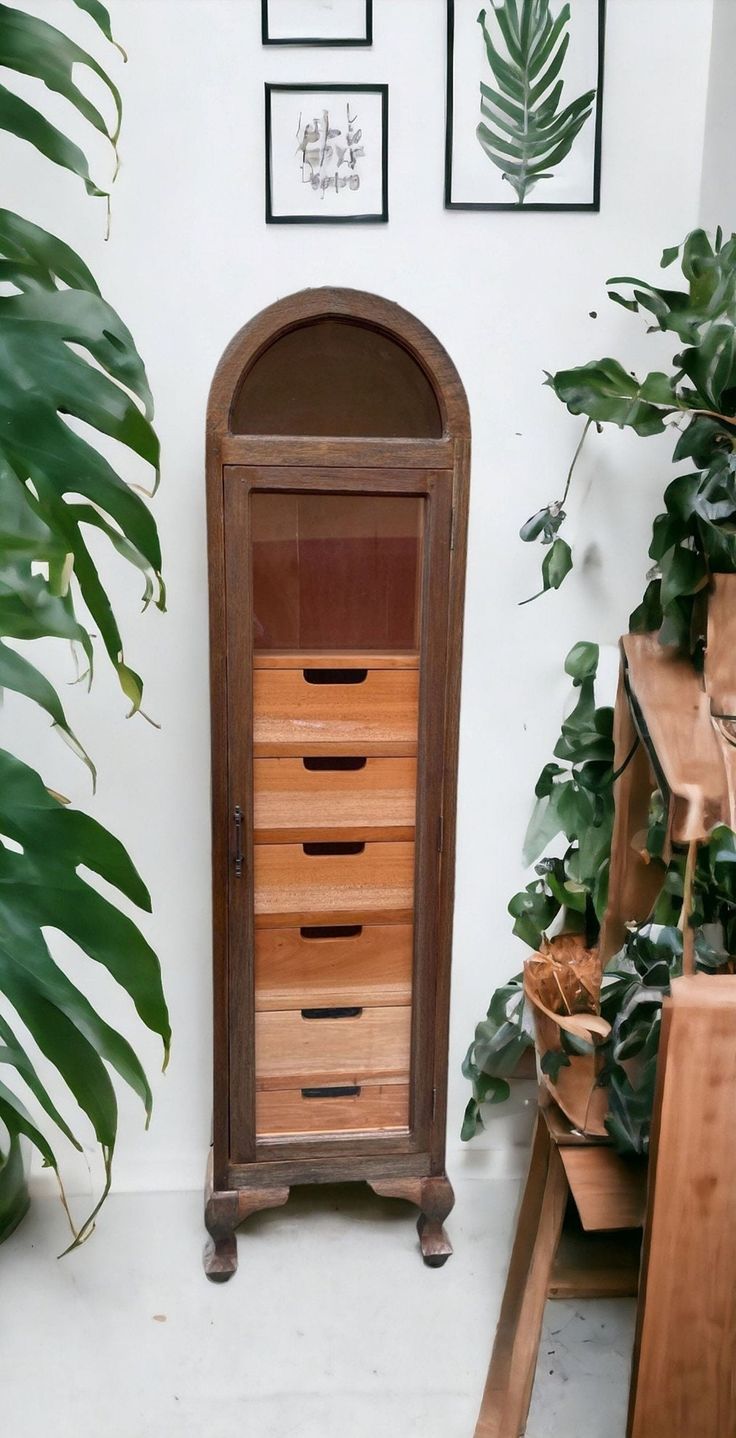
297 1052
357 798
377 1107
377 716
293 884
369 965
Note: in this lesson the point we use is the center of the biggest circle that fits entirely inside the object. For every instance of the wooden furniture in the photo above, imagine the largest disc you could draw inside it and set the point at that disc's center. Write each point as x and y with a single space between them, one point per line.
675 731
337 466
596 1261
683 1379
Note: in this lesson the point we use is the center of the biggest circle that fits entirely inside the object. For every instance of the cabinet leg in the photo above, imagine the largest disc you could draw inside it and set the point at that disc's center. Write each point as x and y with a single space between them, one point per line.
224 1211
435 1198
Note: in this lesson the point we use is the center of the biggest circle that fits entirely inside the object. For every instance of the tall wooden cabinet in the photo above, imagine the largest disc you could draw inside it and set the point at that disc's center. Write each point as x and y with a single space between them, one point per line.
337 470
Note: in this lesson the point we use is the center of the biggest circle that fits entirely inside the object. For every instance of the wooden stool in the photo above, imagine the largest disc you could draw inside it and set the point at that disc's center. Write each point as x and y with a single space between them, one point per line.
609 1193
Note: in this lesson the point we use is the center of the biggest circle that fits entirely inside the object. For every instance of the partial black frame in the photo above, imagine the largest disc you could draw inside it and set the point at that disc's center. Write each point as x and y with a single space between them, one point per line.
380 217
329 44
451 204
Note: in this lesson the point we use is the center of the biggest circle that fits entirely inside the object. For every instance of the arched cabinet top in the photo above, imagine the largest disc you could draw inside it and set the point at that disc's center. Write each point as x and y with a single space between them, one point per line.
337 364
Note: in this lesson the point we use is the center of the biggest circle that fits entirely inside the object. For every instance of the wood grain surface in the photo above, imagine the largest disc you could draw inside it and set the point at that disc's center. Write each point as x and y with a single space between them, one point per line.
292 801
377 1107
377 716
293 886
684 1380
296 1052
369 967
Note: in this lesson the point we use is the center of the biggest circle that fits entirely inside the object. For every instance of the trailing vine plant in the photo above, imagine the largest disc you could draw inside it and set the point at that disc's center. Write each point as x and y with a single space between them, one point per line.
64 352
694 538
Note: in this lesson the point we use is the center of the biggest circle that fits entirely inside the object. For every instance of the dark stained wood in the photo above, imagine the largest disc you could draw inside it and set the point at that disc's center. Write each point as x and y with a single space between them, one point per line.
435 1197
354 305
336 377
433 468
224 1211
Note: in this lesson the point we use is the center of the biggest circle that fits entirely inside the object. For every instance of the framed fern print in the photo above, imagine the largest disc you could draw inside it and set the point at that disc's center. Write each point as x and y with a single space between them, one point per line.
524 104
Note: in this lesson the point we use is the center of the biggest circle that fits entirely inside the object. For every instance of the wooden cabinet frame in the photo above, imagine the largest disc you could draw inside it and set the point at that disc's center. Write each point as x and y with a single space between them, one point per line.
245 1175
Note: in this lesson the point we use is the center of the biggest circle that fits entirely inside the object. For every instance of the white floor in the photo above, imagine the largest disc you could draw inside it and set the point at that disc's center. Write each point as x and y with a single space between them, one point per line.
332 1328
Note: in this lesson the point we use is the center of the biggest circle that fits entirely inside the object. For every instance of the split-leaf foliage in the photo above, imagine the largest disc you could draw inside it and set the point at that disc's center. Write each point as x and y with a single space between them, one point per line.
525 129
65 356
693 539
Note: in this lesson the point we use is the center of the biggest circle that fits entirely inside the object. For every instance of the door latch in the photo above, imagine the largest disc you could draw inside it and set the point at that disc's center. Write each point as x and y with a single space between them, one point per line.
238 816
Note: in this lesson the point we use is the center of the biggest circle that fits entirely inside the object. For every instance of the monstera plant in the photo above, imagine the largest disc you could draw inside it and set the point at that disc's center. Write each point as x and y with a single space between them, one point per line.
65 355
693 539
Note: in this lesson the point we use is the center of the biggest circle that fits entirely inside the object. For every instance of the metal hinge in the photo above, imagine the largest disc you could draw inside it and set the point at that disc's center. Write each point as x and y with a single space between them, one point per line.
434 1103
238 817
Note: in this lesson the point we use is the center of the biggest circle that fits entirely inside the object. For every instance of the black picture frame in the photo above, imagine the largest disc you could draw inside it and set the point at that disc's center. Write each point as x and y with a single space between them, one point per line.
331 44
591 207
377 218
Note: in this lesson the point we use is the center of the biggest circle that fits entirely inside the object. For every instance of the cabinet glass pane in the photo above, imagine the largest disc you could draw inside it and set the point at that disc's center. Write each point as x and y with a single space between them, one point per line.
336 571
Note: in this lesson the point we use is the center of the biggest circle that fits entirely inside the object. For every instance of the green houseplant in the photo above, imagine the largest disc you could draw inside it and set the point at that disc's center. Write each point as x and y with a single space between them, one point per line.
693 539
64 352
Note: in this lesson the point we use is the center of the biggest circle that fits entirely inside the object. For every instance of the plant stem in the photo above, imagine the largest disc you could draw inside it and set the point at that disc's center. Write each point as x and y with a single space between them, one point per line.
575 459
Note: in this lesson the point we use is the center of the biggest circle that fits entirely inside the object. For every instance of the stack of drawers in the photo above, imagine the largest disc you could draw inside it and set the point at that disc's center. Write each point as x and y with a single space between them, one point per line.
335 774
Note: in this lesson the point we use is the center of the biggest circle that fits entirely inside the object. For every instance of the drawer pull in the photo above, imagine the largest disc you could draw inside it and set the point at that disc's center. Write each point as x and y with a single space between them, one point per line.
335 676
345 1091
351 1013
335 848
332 931
327 765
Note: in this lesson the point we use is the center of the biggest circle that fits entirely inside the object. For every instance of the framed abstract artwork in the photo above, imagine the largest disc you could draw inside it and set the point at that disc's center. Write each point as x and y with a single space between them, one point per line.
317 22
524 104
326 154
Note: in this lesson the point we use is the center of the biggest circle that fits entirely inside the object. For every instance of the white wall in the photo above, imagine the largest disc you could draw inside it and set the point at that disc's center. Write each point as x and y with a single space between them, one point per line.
190 259
718 195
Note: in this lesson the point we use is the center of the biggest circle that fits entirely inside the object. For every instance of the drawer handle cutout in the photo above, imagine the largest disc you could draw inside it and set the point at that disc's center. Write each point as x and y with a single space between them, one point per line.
320 765
335 848
335 676
332 931
345 1091
331 1013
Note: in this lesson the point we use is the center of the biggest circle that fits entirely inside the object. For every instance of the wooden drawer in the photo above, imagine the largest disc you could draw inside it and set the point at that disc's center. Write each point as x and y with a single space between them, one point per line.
378 715
345 797
294 1051
311 883
341 964
355 1109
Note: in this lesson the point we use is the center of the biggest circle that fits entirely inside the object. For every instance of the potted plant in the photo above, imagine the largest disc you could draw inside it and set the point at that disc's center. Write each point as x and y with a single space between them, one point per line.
64 352
693 543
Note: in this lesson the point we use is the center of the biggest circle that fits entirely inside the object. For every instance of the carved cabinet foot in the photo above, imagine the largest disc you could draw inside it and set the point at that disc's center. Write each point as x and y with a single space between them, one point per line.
435 1198
224 1211
220 1258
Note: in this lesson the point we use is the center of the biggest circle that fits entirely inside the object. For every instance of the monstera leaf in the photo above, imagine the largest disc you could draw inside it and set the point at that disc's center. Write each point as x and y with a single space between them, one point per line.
524 132
69 372
42 845
30 46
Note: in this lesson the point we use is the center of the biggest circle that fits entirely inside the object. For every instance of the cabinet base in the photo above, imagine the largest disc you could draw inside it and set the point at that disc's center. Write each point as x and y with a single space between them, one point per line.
224 1211
435 1198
